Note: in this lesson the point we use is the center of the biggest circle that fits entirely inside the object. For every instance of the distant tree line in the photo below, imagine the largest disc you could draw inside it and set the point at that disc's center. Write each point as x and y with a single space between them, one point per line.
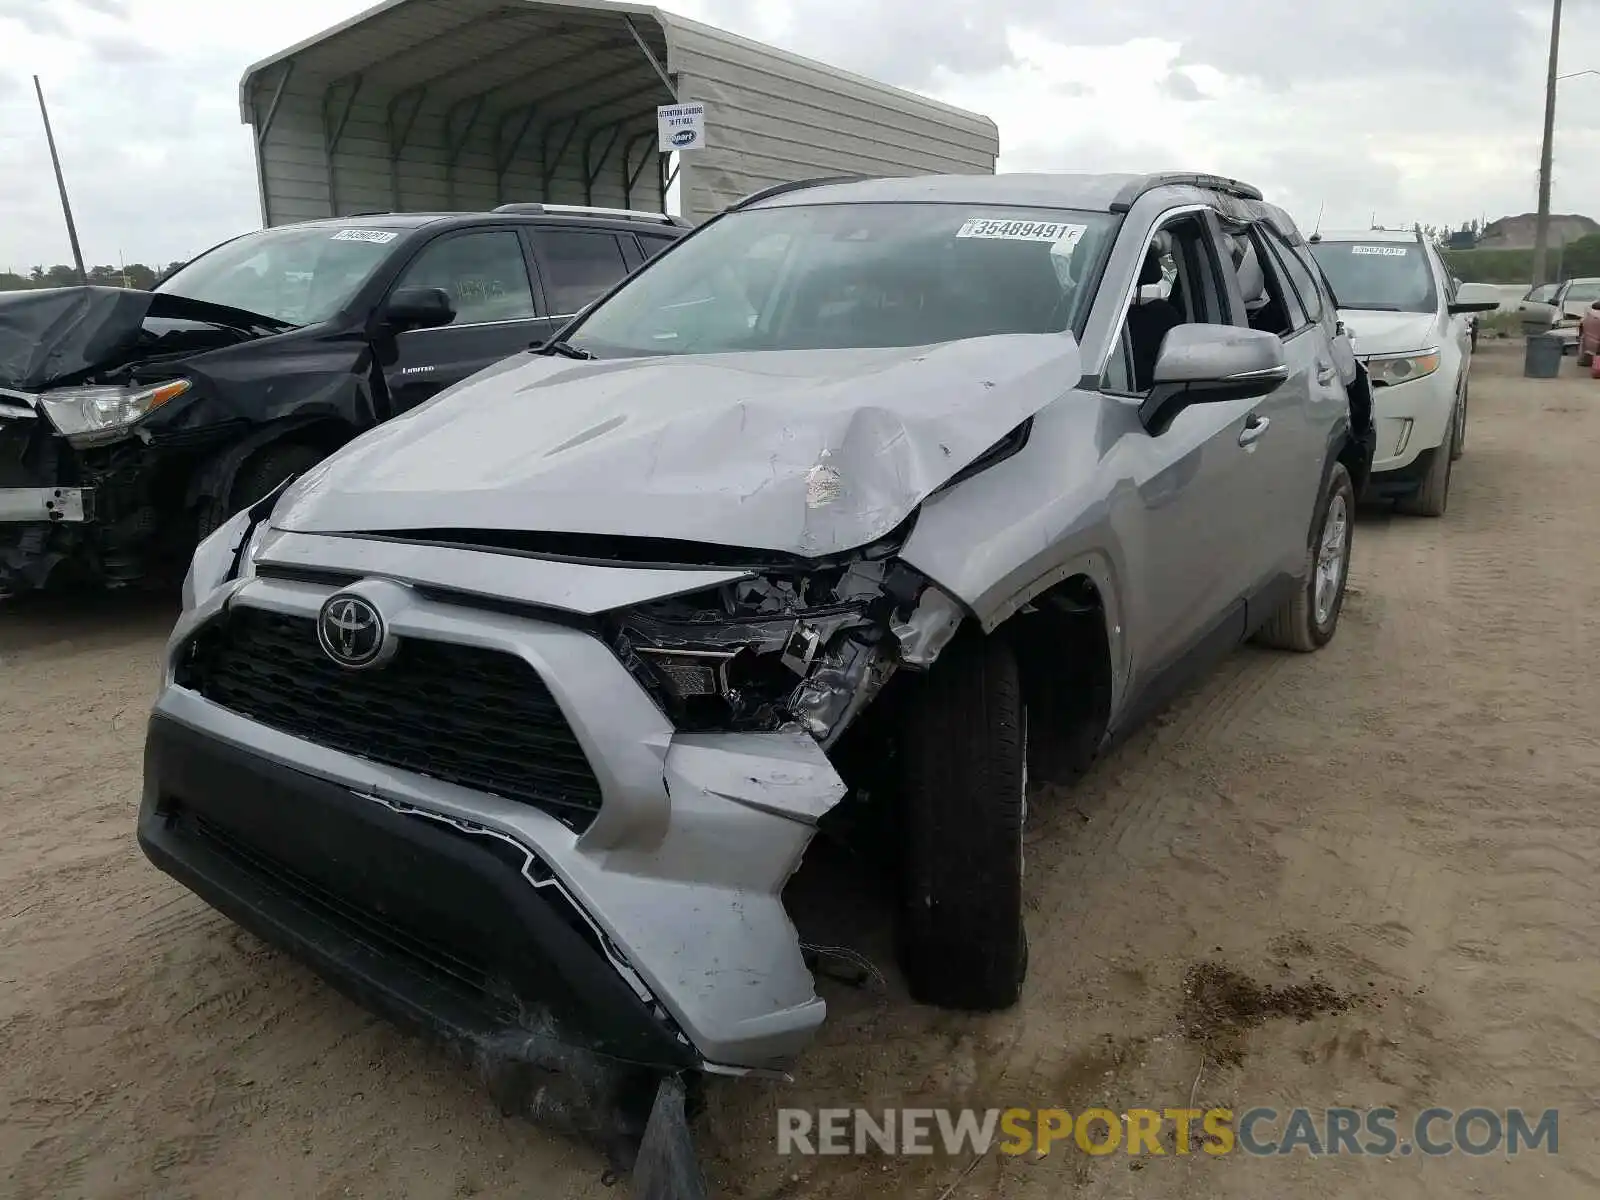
135 275
1578 258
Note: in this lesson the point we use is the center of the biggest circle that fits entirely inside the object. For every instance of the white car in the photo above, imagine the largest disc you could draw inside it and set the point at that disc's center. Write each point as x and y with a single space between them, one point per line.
1406 317
1559 307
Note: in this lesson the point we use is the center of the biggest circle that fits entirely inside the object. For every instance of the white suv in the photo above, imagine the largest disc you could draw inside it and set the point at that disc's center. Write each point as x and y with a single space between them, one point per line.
1406 317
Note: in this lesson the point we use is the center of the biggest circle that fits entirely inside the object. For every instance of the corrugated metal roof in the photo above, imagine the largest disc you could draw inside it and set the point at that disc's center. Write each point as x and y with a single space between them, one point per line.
470 102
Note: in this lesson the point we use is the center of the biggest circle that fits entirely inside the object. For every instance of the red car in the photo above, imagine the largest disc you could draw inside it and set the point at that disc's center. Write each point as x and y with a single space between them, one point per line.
1589 335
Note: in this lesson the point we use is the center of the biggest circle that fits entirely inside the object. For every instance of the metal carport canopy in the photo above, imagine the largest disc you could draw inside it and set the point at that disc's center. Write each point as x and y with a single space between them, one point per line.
442 105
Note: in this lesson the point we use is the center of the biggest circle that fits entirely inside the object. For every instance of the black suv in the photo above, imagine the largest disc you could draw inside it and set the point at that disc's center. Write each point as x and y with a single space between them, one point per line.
131 422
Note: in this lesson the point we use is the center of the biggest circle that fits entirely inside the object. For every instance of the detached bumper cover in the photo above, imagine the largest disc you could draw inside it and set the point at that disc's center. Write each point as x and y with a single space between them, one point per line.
434 927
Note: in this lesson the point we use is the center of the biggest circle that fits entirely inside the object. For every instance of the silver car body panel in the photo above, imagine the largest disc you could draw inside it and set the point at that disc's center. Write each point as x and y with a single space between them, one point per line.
805 452
696 837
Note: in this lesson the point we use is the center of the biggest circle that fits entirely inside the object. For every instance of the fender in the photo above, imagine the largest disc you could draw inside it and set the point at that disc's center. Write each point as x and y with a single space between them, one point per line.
214 479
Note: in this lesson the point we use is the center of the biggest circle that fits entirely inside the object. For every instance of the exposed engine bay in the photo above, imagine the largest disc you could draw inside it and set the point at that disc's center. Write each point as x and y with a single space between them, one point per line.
798 646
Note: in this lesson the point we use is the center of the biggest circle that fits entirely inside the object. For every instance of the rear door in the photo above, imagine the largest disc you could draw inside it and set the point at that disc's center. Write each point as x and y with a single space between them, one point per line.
485 271
577 266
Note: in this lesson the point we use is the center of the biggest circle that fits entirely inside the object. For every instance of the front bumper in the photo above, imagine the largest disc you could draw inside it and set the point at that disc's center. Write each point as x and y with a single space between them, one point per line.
431 926
678 879
1410 418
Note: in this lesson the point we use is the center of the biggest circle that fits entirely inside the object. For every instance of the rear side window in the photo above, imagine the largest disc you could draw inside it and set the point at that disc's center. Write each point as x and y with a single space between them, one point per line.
1305 284
485 274
653 243
579 266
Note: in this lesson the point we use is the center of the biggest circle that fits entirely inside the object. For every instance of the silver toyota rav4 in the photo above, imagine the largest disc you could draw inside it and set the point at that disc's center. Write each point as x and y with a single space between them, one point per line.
515 716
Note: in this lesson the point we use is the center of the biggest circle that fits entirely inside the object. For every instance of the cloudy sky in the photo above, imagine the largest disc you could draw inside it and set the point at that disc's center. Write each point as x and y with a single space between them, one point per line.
1416 110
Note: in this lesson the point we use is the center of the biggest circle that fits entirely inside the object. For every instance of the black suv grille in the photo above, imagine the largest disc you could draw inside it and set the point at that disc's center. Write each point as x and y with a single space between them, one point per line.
469 716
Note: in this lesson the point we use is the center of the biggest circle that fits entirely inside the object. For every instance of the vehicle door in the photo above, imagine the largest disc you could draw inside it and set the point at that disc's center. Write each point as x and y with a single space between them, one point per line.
1186 539
576 267
485 273
1541 306
1578 295
1311 405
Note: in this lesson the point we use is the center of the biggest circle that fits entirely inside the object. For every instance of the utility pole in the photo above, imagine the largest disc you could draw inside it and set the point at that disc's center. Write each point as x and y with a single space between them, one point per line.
61 183
1541 237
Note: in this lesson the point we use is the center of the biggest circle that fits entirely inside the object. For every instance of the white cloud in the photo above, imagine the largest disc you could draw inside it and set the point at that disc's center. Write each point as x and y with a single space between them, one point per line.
1428 111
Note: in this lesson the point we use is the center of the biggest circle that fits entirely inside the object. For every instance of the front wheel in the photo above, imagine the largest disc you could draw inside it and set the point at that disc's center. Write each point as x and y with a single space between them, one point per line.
1432 498
1308 619
258 477
962 942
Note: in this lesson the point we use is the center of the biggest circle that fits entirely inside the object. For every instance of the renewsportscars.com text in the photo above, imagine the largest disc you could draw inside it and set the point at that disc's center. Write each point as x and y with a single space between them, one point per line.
1261 1131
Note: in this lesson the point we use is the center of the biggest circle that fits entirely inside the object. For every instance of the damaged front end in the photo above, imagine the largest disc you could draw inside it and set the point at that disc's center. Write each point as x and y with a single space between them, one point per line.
89 488
799 643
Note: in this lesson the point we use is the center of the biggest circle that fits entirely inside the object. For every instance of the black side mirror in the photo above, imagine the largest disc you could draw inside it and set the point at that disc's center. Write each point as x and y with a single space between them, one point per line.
1208 364
419 308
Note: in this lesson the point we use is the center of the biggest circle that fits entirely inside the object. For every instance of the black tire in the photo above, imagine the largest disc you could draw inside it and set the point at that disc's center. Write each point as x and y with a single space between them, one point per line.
1433 496
1298 625
964 742
264 471
1458 445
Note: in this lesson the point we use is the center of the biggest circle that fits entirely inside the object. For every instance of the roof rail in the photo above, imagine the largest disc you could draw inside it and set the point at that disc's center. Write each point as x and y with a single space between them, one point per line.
588 210
782 189
1124 199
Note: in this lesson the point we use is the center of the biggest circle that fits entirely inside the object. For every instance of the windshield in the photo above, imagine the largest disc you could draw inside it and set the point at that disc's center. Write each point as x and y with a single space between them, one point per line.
839 276
1389 276
297 274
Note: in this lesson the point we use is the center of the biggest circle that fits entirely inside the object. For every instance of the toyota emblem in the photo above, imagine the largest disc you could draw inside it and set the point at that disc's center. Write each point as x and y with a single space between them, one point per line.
351 631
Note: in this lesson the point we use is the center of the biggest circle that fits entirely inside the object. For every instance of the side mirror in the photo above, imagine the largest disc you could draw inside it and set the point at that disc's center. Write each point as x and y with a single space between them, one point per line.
419 308
1208 364
1474 298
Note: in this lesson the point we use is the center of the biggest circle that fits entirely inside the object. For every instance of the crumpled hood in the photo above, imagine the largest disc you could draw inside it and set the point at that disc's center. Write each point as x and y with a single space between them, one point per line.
806 452
58 335
1373 331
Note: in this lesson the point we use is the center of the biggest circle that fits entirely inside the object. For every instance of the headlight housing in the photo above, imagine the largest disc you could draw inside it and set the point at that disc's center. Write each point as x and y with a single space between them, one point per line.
1389 369
93 416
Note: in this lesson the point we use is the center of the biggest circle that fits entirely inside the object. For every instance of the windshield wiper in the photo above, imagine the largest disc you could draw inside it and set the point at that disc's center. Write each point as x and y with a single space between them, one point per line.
564 349
1375 307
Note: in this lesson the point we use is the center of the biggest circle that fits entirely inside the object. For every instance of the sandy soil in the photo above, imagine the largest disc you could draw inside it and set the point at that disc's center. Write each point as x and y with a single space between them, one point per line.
1408 823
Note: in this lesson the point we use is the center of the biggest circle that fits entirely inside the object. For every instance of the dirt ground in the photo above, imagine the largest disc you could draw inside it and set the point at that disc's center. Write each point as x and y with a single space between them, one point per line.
1401 834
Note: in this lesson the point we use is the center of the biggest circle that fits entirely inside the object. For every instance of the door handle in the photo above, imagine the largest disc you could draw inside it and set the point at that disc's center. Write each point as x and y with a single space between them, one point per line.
1325 373
1254 427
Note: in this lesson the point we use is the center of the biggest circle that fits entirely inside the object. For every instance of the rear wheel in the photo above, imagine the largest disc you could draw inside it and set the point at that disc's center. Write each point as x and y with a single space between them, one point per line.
1431 499
1308 619
962 942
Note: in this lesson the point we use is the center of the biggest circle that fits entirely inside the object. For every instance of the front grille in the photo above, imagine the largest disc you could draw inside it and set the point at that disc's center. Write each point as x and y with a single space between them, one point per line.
478 718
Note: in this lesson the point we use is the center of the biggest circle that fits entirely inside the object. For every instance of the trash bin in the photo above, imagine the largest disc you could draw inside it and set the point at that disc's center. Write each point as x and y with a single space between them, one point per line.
1543 359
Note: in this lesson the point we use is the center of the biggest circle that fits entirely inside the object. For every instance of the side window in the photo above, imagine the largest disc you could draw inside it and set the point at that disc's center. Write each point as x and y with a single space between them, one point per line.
1270 302
579 265
485 274
1179 284
653 243
1305 283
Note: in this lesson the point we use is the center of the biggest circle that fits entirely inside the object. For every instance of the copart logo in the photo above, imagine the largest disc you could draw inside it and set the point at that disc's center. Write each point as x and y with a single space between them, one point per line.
685 137
351 631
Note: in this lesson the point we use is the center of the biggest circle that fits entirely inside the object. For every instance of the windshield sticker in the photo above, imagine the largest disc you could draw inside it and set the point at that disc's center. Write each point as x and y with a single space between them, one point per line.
1023 231
1386 251
380 236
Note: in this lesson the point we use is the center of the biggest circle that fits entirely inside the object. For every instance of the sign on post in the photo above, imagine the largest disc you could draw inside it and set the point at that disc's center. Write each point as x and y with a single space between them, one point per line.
681 127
